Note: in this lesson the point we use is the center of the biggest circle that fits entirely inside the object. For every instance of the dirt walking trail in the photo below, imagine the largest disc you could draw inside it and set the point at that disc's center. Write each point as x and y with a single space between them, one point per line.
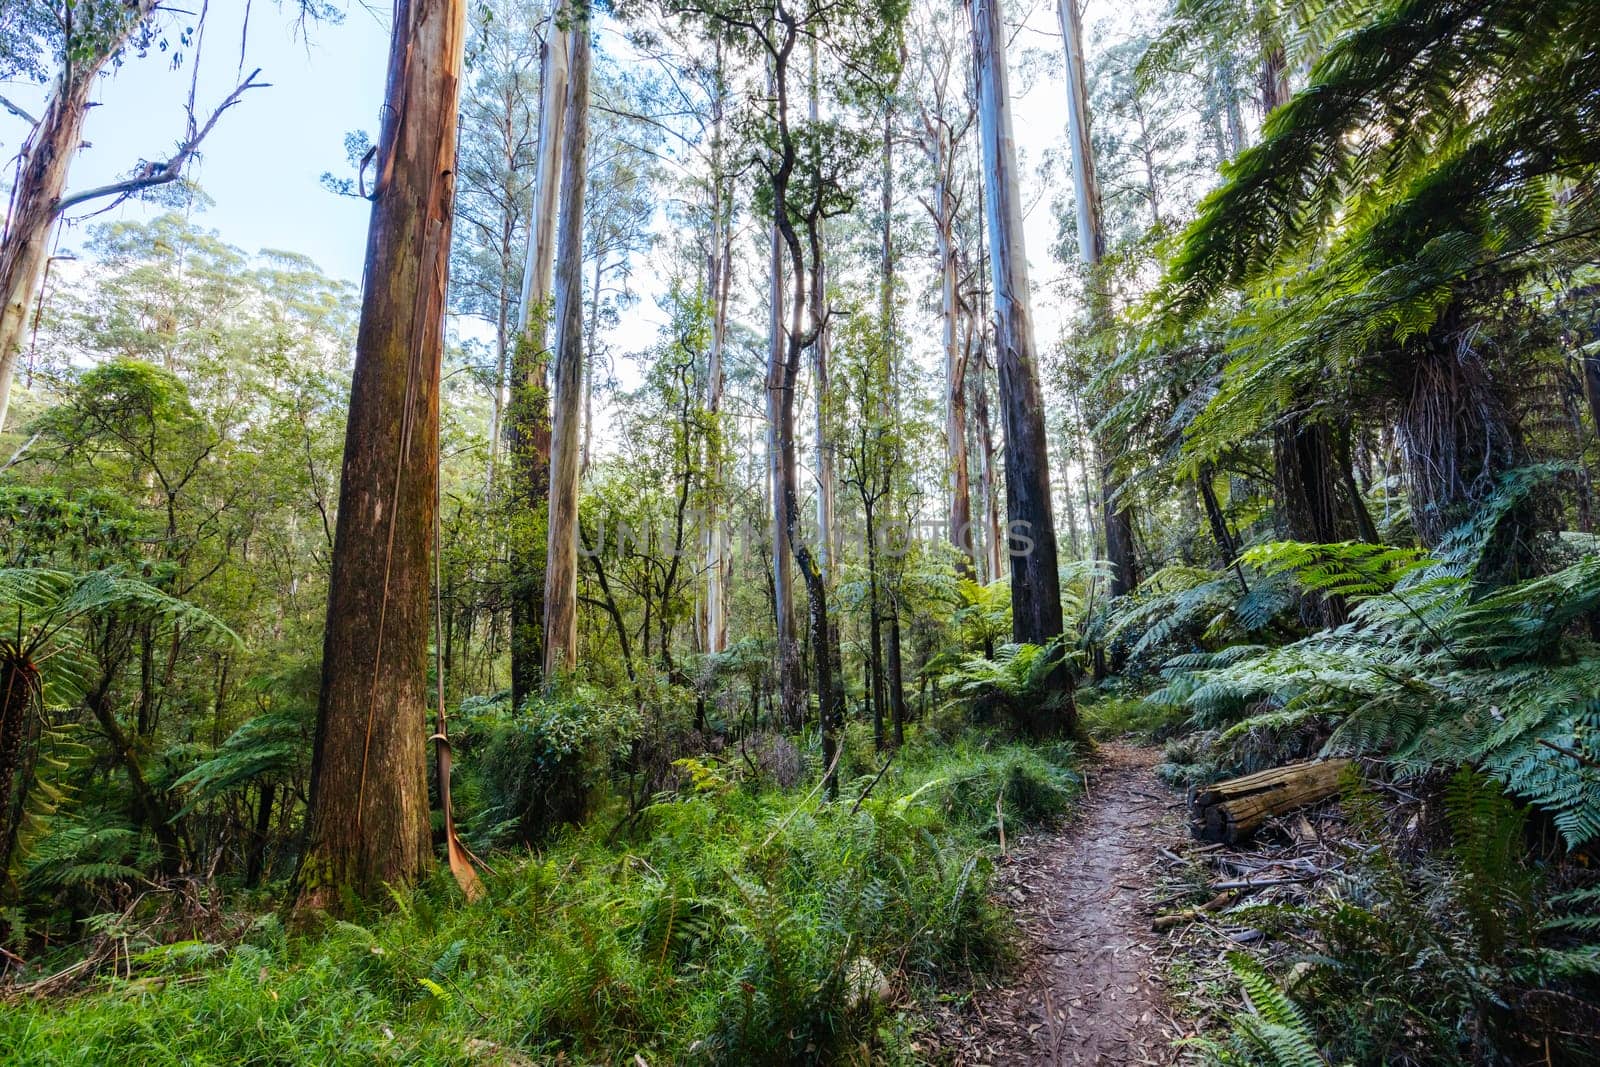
1087 990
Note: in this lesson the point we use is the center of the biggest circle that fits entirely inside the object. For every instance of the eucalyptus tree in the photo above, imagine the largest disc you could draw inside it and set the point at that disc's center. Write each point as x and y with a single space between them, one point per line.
530 430
946 116
1117 514
79 40
1036 615
561 546
367 824
802 167
499 123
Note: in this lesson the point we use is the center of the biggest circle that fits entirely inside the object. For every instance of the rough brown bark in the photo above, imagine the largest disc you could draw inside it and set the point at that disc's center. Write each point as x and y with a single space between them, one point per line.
561 553
1308 508
1457 436
368 825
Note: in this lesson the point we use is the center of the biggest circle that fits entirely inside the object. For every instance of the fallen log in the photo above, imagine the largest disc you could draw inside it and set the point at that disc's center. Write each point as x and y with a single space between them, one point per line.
1231 811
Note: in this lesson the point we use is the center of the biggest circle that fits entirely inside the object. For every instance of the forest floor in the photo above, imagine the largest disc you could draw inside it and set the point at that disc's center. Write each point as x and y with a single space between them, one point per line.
1088 988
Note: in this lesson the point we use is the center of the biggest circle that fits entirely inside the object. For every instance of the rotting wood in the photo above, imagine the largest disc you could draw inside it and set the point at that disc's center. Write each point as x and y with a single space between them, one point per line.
1231 811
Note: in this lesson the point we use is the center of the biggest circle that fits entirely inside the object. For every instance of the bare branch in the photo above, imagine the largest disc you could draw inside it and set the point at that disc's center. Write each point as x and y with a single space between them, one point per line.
19 112
152 174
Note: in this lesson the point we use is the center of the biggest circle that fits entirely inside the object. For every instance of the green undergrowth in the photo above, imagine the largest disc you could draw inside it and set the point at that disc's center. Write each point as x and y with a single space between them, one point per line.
724 925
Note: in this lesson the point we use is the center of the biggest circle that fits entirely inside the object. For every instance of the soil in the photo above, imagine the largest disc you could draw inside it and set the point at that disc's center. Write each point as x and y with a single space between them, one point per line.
1087 990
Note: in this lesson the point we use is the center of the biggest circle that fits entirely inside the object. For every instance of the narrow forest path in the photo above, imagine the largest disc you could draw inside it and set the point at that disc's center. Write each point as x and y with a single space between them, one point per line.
1087 990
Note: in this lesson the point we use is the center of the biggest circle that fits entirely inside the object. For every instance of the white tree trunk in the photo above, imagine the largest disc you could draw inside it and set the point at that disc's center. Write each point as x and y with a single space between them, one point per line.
826 548
537 269
719 270
561 558
1085 187
41 179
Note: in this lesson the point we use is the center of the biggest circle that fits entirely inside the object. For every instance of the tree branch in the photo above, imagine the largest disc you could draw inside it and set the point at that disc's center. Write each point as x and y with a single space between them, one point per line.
151 174
19 112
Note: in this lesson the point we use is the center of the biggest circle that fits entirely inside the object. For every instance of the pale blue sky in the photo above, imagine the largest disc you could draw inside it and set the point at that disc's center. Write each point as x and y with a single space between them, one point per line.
262 162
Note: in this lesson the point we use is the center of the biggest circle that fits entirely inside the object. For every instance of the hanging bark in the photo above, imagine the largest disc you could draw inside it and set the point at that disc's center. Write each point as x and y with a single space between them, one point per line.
367 824
1035 584
561 548
530 396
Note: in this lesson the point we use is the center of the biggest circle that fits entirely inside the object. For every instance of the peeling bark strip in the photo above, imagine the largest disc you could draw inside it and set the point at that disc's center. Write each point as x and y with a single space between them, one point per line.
368 821
1035 585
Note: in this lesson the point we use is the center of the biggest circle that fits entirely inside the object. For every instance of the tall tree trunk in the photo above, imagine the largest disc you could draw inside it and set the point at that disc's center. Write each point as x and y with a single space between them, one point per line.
897 681
791 681
827 492
561 548
1118 516
718 563
956 355
367 824
887 414
875 684
530 396
46 156
988 481
1035 583
591 330
719 269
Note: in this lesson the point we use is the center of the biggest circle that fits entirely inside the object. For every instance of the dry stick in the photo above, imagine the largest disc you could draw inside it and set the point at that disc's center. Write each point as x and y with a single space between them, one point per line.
787 819
868 790
1216 903
1000 816
1587 761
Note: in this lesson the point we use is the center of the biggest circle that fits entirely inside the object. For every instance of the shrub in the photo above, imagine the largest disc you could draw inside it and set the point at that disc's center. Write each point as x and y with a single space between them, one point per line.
545 766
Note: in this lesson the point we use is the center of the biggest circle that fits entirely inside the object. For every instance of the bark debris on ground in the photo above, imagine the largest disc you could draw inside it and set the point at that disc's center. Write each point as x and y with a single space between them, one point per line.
1087 990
